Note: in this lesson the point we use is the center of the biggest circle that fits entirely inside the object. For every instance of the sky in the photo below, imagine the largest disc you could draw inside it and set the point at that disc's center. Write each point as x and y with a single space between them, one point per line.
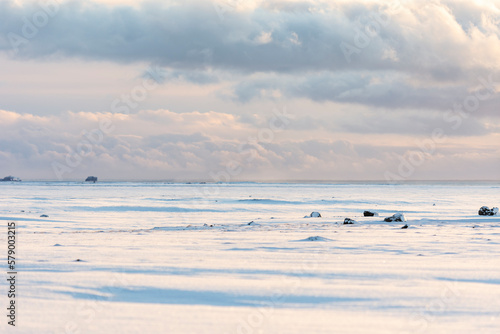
233 90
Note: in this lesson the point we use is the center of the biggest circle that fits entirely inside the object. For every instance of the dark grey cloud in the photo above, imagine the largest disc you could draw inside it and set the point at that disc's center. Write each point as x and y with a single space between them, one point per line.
191 35
388 90
190 76
411 56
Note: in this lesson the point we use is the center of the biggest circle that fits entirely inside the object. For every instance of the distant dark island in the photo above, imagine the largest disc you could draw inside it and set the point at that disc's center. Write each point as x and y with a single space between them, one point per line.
10 179
91 179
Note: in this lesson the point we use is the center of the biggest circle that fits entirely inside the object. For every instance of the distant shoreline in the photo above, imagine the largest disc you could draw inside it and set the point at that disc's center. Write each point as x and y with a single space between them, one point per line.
298 182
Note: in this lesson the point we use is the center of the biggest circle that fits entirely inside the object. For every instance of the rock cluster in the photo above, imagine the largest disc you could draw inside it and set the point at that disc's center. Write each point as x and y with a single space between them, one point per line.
485 211
10 178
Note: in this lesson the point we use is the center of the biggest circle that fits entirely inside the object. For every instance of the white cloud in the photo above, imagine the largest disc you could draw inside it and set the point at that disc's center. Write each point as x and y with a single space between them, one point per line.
264 38
160 144
292 41
357 114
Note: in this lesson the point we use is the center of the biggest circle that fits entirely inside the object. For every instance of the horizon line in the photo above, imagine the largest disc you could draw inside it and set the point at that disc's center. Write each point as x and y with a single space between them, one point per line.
296 181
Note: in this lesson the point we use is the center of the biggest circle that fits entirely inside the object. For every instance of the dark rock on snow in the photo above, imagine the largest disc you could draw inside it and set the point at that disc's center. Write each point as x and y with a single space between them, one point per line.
370 213
349 221
10 179
313 214
397 217
91 179
485 211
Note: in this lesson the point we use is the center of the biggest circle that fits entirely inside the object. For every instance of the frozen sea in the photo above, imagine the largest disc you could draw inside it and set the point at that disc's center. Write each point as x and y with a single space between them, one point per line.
124 257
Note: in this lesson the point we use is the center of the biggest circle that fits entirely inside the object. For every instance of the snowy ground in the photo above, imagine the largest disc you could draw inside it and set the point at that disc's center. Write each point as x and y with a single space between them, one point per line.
172 258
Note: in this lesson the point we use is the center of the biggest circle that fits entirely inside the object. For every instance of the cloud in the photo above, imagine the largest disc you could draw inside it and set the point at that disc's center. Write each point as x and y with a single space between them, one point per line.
387 90
160 144
278 37
373 53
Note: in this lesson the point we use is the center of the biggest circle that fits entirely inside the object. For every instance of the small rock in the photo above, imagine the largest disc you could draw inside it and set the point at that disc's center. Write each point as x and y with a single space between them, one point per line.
91 179
44 216
485 211
313 214
370 213
406 226
397 217
78 260
250 223
349 221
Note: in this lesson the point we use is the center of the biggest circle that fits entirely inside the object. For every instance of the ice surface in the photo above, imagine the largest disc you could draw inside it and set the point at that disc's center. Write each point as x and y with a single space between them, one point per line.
316 238
240 258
